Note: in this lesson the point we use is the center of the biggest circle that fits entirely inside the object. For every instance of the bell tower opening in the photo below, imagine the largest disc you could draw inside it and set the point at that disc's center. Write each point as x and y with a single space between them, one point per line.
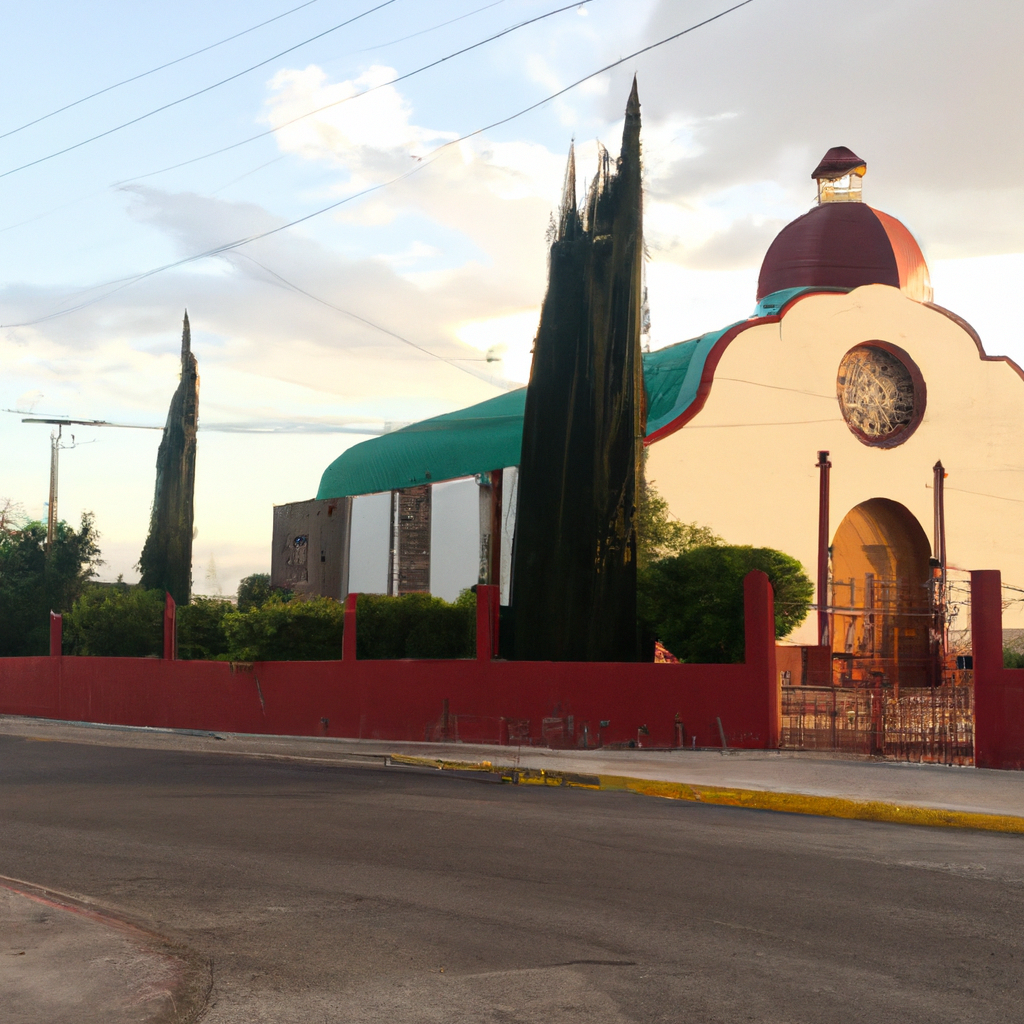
882 608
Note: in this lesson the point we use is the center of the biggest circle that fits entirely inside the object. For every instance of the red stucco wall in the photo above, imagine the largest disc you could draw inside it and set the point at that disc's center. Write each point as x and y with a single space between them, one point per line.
405 700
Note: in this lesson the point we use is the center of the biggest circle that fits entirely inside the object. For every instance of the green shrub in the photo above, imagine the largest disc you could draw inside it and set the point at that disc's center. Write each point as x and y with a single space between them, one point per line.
201 635
278 630
1012 659
123 621
415 626
116 621
693 603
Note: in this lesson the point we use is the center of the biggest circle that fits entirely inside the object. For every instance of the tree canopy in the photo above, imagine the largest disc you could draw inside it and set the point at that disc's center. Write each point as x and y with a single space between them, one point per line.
693 601
659 534
34 581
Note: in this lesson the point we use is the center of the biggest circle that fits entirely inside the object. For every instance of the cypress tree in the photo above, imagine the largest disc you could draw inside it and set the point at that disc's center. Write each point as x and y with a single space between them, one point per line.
166 560
574 564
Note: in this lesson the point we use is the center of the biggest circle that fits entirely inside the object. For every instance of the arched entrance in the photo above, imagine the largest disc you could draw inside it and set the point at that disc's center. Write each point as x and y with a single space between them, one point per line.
882 614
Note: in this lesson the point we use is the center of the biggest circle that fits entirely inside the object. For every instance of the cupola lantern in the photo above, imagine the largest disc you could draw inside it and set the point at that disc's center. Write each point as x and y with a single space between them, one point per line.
840 176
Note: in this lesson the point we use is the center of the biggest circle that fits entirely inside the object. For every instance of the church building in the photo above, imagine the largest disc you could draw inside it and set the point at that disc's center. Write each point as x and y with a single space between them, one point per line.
849 421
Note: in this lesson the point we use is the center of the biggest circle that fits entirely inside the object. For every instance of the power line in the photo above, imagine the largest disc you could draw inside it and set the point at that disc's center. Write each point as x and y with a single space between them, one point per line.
252 170
788 423
356 96
433 28
150 174
777 387
375 326
601 71
153 71
198 92
426 162
980 494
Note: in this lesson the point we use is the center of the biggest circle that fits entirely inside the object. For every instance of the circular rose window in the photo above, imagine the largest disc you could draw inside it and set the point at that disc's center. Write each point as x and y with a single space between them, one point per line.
881 393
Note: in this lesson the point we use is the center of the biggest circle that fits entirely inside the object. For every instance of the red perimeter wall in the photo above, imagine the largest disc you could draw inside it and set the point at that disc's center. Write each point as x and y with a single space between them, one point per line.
483 700
998 691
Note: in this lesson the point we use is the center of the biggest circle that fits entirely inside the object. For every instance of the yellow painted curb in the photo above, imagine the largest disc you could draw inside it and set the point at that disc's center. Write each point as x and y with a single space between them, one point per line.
788 803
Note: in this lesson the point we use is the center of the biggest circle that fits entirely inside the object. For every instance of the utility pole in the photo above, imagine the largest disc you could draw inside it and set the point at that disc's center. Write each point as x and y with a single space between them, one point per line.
55 447
51 504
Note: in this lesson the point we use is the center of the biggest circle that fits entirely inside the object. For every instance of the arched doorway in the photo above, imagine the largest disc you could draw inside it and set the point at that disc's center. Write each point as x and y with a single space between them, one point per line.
882 613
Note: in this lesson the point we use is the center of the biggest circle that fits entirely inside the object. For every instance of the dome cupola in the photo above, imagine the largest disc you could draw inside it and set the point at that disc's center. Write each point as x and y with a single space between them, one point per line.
842 242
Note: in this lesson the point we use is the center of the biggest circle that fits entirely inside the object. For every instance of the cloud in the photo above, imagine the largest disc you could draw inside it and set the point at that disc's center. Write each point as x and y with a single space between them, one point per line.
369 135
742 242
927 93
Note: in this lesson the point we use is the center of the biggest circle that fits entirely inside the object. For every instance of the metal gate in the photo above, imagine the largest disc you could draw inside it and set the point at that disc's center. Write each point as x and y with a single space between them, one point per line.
934 724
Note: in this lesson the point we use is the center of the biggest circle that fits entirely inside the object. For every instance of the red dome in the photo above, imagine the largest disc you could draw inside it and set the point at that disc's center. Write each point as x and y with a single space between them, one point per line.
845 245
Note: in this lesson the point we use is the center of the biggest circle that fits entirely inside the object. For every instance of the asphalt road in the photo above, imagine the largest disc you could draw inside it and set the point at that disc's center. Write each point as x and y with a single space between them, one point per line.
326 894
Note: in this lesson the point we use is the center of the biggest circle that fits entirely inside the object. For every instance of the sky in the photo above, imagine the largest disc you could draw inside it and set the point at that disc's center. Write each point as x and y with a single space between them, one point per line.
412 282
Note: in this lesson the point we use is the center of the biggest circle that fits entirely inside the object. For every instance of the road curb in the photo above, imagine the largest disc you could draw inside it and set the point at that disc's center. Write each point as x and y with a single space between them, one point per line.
752 799
187 998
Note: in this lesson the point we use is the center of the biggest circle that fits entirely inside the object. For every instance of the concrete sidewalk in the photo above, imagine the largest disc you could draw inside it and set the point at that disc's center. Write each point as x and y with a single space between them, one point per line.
63 962
803 782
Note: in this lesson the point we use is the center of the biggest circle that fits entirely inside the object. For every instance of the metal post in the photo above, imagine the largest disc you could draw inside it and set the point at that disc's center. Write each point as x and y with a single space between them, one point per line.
394 534
824 465
939 552
496 483
939 508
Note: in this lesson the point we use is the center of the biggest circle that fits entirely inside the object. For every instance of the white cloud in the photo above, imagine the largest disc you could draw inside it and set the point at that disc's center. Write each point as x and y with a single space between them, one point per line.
369 135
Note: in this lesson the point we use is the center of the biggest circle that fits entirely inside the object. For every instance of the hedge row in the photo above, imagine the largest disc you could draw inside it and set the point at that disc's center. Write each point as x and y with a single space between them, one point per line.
123 621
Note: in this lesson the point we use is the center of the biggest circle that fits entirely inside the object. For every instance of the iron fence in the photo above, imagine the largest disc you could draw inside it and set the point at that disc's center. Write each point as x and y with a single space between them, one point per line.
934 724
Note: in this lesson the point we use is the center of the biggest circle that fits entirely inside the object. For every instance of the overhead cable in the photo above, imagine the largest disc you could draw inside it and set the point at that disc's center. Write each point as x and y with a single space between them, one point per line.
366 92
198 92
433 28
377 46
153 71
426 162
452 361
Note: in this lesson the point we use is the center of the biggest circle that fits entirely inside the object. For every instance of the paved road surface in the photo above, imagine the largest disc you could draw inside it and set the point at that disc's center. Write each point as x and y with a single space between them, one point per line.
331 894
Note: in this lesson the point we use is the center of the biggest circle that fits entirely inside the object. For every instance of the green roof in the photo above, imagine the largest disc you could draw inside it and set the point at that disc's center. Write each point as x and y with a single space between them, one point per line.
474 440
489 435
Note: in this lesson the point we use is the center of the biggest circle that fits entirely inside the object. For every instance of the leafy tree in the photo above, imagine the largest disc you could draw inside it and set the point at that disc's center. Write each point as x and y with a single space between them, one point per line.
34 581
255 591
693 602
1012 658
659 535
116 621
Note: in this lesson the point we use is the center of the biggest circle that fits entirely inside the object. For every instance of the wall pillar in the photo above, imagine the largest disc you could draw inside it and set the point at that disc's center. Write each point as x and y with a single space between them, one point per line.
759 637
998 692
170 628
56 634
348 640
487 599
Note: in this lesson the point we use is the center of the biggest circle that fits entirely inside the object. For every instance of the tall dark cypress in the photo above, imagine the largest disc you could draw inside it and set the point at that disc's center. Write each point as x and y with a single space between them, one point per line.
574 565
166 560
